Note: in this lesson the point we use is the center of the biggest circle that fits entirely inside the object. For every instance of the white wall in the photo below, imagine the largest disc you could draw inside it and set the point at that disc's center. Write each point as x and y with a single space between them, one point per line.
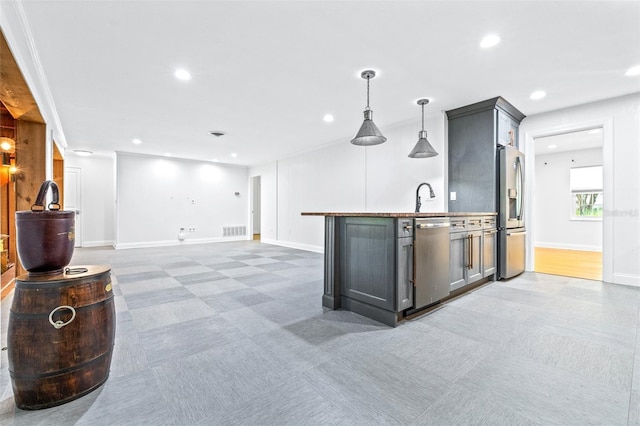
98 198
620 120
342 177
554 227
156 196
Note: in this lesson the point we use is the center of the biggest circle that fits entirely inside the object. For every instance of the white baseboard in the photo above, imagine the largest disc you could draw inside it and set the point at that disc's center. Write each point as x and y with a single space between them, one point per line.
568 246
98 244
167 243
307 247
627 279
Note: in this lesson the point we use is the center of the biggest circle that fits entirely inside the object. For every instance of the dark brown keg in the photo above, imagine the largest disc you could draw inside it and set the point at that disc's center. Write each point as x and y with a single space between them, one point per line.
60 336
45 238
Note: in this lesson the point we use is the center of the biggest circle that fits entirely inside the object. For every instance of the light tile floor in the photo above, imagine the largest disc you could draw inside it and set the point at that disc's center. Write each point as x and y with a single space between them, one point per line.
234 333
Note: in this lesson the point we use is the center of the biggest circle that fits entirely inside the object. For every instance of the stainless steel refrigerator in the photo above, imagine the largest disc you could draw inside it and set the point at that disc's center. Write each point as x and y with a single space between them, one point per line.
511 222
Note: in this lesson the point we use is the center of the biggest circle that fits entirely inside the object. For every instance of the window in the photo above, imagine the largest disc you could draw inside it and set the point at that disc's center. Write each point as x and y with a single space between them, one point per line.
586 192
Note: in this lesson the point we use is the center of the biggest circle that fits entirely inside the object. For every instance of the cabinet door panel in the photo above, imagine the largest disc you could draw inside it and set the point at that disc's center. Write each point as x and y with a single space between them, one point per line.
404 275
475 269
489 243
507 130
504 125
457 260
367 260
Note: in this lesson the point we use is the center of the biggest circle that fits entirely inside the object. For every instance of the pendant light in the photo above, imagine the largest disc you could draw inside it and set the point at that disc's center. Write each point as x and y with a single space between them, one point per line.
368 133
423 148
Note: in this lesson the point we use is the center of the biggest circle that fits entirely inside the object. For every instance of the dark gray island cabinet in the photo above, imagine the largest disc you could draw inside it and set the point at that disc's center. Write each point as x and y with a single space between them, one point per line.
370 260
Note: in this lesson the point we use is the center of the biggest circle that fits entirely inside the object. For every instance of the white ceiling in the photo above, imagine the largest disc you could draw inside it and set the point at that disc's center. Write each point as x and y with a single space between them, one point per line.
572 141
266 72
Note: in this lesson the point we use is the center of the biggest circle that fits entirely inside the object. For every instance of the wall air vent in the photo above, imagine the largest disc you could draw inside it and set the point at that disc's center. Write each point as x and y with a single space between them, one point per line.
234 231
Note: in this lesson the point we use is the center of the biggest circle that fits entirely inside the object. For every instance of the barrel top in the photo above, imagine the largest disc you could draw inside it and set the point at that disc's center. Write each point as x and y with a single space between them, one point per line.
70 273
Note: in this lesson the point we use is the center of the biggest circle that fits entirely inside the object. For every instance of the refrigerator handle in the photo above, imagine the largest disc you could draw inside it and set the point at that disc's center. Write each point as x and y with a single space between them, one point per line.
520 200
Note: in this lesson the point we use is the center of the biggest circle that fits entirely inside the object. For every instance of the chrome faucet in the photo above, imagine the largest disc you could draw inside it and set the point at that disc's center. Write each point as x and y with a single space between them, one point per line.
431 195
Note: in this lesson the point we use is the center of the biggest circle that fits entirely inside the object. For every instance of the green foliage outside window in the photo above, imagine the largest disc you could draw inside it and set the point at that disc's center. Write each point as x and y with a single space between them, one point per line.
586 192
588 204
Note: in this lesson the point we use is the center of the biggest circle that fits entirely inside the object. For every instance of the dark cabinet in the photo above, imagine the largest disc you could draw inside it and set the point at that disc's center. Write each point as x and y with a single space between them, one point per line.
367 260
474 133
376 261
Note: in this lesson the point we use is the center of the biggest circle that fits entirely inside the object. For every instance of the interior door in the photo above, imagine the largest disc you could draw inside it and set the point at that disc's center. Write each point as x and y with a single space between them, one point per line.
255 205
73 198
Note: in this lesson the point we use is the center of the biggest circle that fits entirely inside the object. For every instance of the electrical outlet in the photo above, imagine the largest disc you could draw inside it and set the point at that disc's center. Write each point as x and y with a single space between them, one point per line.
192 229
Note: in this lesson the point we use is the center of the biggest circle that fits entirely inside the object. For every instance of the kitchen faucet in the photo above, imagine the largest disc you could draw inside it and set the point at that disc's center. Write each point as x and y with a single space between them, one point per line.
431 195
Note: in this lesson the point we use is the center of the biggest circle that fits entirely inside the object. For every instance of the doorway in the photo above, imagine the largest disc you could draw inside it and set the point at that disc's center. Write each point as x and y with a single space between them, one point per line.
255 207
568 237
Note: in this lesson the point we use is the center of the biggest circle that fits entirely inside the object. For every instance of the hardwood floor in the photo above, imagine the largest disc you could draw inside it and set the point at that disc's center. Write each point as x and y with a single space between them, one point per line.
569 263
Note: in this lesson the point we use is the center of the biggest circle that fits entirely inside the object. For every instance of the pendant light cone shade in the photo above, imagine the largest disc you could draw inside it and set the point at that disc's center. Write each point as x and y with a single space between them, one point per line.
423 148
369 134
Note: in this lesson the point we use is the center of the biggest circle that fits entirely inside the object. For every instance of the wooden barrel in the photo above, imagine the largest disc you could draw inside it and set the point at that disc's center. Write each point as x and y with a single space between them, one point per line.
60 336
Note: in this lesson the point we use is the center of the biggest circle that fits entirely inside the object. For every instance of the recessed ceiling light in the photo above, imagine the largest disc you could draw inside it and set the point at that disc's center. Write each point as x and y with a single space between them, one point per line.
182 74
234 155
137 141
538 94
328 118
217 133
489 41
633 71
82 152
552 146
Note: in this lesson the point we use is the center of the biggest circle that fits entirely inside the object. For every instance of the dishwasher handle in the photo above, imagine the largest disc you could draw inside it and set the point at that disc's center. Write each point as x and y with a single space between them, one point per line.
432 225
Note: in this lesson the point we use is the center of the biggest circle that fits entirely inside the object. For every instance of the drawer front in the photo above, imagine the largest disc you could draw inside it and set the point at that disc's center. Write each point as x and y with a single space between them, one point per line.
489 222
457 224
474 223
404 228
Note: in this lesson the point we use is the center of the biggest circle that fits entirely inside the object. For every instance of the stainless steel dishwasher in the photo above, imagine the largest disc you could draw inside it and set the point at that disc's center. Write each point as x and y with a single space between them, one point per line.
431 261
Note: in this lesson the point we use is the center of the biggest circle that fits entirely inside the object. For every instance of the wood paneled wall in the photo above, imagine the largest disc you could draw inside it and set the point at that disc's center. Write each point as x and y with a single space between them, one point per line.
58 172
31 137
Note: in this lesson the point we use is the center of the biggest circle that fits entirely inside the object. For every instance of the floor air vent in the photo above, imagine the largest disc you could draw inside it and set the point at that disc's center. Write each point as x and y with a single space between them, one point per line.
234 231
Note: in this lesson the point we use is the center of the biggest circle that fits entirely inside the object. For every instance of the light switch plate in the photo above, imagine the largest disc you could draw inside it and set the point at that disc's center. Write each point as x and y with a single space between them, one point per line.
452 196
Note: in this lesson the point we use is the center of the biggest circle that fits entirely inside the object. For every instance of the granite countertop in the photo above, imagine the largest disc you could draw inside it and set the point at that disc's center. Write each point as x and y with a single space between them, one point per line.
425 214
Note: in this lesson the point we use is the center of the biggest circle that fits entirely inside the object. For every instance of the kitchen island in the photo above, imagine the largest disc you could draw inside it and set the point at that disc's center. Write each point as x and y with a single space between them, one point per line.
377 265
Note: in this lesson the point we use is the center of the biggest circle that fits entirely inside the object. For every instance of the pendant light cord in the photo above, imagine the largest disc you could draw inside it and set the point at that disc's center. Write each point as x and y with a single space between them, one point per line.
368 93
